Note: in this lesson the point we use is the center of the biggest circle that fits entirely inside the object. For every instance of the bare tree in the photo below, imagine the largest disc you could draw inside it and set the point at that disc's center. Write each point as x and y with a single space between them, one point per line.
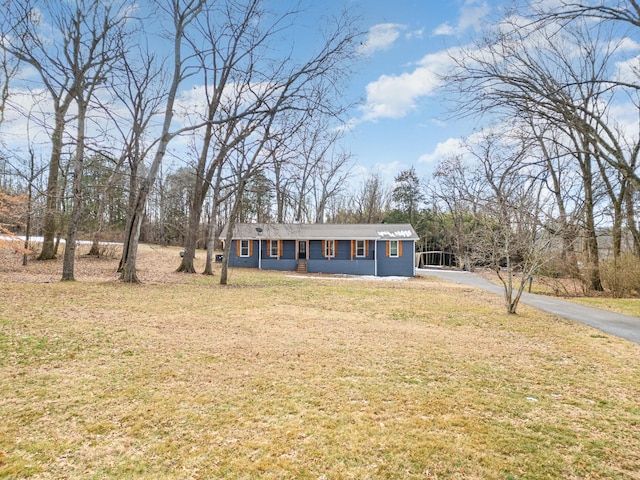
227 57
453 193
214 222
139 97
182 13
322 170
247 85
624 11
557 171
72 48
24 39
499 207
375 200
250 156
8 69
370 202
329 180
532 74
95 36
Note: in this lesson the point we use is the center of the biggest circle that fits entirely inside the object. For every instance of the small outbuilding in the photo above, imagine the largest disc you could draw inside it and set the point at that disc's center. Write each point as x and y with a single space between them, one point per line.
352 249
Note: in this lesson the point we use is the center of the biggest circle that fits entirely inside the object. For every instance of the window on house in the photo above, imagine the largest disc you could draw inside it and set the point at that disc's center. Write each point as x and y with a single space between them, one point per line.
244 248
361 248
273 248
393 248
330 248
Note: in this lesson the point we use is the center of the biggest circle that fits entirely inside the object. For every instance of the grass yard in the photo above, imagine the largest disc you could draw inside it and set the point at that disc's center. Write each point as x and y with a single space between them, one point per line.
627 306
283 376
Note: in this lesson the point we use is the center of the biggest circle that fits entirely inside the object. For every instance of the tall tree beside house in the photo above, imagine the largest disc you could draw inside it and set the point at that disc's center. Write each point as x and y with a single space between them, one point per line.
248 85
182 14
407 195
531 70
228 50
248 160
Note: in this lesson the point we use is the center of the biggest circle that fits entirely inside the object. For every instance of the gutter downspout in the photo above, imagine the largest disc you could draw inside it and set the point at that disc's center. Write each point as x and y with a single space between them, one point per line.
413 250
375 257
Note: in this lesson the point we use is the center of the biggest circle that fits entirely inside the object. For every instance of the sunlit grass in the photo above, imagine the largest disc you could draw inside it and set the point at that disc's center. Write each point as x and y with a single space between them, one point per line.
627 306
279 376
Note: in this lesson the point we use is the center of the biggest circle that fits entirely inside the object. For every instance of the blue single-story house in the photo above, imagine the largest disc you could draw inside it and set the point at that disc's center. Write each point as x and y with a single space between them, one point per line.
353 249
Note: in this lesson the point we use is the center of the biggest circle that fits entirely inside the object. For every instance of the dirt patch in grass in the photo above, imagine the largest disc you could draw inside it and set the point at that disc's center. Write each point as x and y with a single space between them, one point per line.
285 377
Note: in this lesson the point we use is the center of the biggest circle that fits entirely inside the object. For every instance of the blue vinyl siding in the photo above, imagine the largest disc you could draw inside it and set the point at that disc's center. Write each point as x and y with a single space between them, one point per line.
396 266
342 263
236 261
286 262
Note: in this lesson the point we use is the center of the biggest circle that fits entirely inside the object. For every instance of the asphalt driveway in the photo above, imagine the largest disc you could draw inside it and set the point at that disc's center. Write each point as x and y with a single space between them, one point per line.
623 326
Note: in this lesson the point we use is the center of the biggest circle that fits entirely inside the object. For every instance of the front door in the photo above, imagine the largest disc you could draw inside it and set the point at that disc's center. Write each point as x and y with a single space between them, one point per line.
302 250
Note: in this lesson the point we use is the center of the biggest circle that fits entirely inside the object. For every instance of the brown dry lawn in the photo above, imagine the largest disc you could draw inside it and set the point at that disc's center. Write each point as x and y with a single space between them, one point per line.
284 376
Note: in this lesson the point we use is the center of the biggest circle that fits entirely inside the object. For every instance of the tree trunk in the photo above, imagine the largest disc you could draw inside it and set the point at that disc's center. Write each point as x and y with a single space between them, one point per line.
129 274
211 242
224 273
231 223
616 230
631 221
51 210
132 235
27 233
76 210
186 266
591 244
130 250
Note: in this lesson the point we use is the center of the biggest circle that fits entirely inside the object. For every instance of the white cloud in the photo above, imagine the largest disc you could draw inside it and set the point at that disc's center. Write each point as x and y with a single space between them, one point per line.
628 70
451 146
394 96
444 29
419 34
381 37
388 170
472 15
26 118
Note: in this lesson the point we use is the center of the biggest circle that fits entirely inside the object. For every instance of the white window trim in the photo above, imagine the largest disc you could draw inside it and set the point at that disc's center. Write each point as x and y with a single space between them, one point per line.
244 246
391 244
330 248
271 246
364 248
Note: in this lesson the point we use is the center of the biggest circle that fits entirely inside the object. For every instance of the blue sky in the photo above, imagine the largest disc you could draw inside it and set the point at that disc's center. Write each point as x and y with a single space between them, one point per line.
403 120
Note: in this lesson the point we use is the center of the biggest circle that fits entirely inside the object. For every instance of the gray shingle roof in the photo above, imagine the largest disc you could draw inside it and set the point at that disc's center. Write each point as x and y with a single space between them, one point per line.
300 231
